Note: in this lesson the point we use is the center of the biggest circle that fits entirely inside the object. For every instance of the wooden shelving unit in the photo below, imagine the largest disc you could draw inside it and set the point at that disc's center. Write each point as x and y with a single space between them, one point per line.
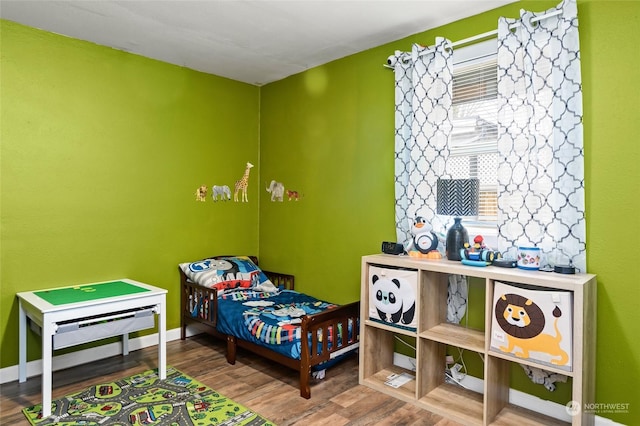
429 389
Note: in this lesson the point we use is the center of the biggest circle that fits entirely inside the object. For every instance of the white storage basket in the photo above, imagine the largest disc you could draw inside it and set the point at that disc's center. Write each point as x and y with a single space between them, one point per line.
392 296
533 324
96 328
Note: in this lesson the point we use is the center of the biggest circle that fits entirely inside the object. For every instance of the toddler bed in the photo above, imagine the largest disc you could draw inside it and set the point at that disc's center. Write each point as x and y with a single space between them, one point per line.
261 311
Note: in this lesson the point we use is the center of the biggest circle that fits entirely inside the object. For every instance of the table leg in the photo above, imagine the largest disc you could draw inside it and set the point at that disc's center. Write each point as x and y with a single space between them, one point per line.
47 336
125 344
22 343
162 342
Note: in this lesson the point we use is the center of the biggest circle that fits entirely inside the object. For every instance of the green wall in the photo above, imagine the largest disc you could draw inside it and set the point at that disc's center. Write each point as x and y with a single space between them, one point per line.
611 99
328 132
102 152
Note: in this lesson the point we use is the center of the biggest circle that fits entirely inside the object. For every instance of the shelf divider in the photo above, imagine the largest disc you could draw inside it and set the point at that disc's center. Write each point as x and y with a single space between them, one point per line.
456 335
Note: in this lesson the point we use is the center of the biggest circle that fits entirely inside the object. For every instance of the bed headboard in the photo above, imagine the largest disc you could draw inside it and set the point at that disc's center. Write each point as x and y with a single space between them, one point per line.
283 281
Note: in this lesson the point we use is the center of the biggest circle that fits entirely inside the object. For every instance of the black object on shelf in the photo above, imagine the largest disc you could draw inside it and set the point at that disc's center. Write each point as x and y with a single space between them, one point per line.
457 197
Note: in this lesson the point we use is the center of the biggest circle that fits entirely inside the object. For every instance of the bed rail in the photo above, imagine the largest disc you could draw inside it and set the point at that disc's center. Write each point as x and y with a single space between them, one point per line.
325 336
198 304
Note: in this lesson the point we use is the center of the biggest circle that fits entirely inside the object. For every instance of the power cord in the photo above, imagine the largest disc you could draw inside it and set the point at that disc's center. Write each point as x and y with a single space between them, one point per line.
413 364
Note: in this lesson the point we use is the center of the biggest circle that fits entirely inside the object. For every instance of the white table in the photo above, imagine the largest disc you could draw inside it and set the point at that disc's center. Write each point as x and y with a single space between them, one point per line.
67 324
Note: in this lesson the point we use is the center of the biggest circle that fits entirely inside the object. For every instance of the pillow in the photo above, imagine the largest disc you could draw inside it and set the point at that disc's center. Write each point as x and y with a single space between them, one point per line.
228 273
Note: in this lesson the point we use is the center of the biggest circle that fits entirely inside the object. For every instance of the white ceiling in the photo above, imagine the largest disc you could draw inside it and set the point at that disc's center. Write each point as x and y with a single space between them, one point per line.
254 41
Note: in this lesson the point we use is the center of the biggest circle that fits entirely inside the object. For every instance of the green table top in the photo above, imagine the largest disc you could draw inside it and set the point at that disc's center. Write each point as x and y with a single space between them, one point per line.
87 292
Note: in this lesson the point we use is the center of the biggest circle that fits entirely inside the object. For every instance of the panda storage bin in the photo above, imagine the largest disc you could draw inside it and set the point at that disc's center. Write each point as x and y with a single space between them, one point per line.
533 324
392 296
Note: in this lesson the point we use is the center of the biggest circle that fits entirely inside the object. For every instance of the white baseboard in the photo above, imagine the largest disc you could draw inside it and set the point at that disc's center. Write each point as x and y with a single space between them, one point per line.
518 398
71 359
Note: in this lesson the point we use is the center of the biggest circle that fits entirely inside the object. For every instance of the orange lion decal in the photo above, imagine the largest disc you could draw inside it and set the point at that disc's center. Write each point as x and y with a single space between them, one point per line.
523 322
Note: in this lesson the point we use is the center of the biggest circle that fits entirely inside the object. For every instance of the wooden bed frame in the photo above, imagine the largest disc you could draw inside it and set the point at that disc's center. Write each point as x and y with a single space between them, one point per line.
312 327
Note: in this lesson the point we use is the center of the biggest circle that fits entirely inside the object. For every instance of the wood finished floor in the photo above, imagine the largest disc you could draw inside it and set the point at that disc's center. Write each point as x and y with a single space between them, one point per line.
268 389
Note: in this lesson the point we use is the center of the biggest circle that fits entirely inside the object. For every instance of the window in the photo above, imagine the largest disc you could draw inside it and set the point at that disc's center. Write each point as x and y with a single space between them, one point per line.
473 144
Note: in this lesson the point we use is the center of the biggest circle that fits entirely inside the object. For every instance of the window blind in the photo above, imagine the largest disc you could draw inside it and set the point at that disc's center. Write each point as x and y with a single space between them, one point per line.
473 143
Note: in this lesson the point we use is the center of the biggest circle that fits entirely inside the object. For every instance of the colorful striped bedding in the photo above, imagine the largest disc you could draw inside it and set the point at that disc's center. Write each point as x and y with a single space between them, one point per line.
267 319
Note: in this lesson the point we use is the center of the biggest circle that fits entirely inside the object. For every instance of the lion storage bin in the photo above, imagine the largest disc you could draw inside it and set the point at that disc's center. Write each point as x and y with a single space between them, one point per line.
392 296
533 324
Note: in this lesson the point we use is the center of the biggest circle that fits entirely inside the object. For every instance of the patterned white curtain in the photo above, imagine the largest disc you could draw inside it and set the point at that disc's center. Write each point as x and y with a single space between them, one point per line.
540 148
423 91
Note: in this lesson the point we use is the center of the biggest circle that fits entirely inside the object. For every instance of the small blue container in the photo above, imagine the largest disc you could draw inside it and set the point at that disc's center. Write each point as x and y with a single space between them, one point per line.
528 258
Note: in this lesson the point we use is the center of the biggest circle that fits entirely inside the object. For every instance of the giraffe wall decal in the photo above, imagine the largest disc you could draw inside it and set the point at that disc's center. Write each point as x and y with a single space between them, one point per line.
242 184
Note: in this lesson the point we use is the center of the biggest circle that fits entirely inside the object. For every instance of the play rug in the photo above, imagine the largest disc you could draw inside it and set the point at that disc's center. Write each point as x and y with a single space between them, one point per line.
143 399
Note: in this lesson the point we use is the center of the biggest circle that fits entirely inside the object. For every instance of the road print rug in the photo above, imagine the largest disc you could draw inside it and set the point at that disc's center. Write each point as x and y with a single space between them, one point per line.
143 399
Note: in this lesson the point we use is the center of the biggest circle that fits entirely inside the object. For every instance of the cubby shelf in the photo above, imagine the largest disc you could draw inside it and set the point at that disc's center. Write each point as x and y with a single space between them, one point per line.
461 405
433 335
455 335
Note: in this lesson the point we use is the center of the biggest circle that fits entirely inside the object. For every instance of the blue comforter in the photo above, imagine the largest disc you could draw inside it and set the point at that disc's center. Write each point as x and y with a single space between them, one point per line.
267 319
